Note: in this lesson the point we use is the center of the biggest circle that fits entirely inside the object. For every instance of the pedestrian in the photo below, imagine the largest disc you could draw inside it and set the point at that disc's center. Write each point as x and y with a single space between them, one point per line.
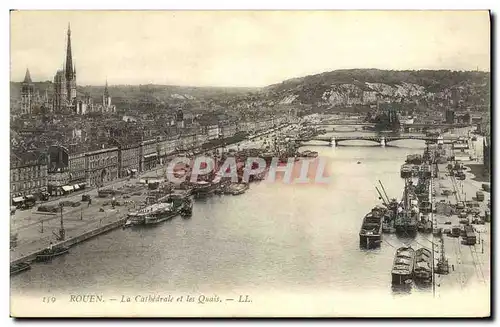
50 246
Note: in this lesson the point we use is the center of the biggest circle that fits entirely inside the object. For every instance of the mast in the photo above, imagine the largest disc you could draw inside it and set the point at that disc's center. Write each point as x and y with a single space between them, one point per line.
380 194
383 189
61 230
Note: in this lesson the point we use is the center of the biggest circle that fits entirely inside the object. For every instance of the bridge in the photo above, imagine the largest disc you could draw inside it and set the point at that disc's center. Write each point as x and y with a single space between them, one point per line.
358 123
381 139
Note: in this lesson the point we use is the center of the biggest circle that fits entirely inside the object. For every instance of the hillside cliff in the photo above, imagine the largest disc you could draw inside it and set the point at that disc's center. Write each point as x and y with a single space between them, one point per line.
369 86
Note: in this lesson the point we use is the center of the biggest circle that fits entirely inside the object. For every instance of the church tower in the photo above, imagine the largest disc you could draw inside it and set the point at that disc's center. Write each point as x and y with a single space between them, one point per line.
70 72
27 94
106 98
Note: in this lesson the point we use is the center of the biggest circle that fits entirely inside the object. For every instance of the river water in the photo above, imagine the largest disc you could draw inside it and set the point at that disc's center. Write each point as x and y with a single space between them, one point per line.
274 237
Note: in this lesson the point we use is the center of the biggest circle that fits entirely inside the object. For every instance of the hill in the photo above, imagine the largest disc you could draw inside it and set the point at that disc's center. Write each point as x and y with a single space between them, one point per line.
369 86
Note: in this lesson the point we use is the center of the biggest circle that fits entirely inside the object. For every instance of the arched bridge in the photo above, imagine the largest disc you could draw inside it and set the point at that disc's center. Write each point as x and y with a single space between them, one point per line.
383 140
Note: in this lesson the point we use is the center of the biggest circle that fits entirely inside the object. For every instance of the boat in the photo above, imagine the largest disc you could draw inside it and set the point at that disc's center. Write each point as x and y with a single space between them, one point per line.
423 265
402 268
406 171
359 162
415 159
407 213
135 218
370 234
50 253
425 225
159 212
312 154
237 188
304 153
19 268
203 188
186 209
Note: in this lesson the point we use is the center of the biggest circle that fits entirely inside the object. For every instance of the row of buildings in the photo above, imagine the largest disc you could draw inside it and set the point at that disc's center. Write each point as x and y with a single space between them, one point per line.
61 169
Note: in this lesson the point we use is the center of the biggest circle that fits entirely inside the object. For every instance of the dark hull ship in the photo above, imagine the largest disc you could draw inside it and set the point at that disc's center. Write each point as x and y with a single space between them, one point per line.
203 189
186 210
370 235
408 213
50 253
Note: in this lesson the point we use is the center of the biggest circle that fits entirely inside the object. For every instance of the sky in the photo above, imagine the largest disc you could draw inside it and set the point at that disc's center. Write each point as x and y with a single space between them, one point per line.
242 48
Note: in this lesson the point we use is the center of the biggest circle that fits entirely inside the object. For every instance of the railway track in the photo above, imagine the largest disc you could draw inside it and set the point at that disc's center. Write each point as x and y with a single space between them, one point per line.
458 253
477 263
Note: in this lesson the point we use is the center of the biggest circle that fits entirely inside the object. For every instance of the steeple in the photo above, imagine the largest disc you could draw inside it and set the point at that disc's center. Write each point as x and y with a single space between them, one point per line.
106 94
69 58
27 77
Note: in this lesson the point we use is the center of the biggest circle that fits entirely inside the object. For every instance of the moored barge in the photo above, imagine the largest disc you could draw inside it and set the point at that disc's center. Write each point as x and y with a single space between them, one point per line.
423 265
51 252
19 268
370 234
402 268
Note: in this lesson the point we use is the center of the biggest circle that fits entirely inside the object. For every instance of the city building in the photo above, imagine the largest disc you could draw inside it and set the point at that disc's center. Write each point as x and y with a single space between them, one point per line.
167 148
28 174
77 174
58 175
228 130
84 105
188 141
213 132
128 159
149 155
101 166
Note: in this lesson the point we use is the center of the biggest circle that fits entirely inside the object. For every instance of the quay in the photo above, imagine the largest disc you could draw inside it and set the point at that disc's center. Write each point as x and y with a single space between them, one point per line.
35 230
460 240
75 240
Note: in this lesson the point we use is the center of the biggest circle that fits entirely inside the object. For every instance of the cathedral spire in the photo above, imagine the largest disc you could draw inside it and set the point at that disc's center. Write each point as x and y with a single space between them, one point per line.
69 58
27 77
106 88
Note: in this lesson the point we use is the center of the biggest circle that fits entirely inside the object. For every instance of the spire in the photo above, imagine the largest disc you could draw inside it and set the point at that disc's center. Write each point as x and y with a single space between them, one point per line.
27 77
106 88
69 59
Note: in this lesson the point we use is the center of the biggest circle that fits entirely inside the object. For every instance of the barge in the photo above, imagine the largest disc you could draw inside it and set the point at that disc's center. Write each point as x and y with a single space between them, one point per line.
423 265
19 268
370 235
402 268
50 253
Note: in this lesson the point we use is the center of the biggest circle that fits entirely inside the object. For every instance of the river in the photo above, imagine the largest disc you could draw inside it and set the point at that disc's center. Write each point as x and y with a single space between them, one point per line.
274 237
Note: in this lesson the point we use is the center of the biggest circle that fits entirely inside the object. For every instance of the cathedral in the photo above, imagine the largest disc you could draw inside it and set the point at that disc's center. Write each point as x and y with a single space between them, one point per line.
65 99
65 84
